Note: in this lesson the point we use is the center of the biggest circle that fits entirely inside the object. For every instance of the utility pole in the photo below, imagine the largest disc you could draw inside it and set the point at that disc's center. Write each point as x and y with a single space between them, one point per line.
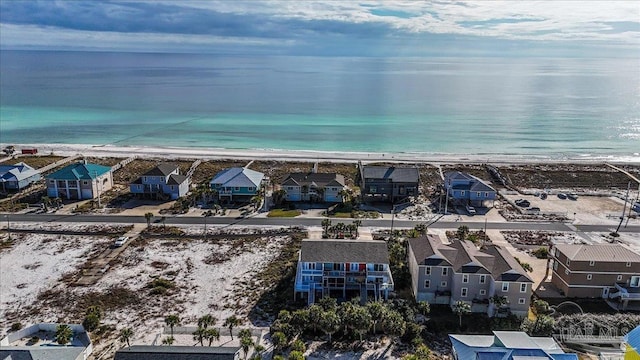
8 227
98 188
626 198
393 216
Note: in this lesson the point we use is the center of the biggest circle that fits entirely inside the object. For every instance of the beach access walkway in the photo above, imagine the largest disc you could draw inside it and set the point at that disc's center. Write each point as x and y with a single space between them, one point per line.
99 265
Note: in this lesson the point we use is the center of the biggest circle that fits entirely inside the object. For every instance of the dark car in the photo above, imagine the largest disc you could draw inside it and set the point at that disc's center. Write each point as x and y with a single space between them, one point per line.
572 196
523 203
534 209
562 196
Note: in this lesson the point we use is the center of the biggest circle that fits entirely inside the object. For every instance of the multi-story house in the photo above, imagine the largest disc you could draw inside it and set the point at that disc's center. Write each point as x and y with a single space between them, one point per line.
17 176
391 184
604 271
343 269
466 189
79 181
313 187
237 184
507 345
162 179
459 271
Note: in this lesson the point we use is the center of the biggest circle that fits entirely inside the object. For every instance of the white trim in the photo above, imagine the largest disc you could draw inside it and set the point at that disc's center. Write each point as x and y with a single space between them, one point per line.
464 292
427 270
465 278
522 301
591 272
483 292
503 287
589 276
525 287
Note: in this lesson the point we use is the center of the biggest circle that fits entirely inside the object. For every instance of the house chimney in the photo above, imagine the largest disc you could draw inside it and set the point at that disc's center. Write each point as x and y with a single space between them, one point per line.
84 160
315 168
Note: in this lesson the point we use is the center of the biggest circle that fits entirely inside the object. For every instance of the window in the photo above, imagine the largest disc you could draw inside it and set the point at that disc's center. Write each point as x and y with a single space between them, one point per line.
555 265
568 262
85 182
463 292
444 271
237 188
251 188
373 189
486 194
521 301
505 287
557 253
289 187
427 270
378 267
589 276
483 292
482 279
462 193
144 178
523 288
478 194
619 278
52 181
628 263
427 284
465 278
591 263
566 271
443 284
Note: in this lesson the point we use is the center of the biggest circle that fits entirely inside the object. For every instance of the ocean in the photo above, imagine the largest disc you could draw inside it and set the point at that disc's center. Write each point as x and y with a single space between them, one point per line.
498 105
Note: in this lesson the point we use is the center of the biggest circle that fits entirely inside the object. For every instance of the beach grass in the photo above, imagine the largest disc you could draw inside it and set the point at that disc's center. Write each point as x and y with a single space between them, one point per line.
284 213
35 162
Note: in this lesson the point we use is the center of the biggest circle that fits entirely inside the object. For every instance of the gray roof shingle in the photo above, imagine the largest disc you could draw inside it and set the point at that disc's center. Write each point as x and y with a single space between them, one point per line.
147 352
319 179
396 174
344 250
163 169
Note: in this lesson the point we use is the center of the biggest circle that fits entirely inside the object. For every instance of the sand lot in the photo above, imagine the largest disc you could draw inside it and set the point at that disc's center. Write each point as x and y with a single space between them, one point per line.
209 277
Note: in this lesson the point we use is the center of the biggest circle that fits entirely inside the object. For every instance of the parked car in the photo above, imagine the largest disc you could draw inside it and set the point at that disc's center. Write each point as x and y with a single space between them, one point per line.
562 196
572 196
471 210
523 203
636 207
121 241
543 196
534 209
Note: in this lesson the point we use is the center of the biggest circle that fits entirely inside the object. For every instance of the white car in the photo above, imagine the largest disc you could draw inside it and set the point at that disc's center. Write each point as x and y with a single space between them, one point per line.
471 210
121 241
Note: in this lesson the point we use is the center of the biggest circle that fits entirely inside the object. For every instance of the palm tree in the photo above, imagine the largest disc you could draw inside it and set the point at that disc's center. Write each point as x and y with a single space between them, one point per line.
258 350
125 335
279 341
246 343
357 224
200 334
231 322
326 224
244 333
206 320
461 308
148 216
63 334
212 334
46 201
171 321
330 323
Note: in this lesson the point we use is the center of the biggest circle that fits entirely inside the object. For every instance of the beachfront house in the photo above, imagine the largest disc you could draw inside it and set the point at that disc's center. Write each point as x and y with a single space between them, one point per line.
237 184
506 345
343 269
607 271
38 341
313 187
467 190
459 271
79 181
164 180
388 183
18 176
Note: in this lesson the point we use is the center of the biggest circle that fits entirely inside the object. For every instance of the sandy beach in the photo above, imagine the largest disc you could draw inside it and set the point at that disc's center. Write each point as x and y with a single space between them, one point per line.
323 156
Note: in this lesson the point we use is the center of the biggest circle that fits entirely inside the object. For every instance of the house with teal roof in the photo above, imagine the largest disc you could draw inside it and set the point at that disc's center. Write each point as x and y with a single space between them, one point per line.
79 181
237 184
507 345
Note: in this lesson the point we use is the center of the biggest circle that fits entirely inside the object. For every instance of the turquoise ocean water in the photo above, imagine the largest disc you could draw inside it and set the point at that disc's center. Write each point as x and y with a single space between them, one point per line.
541 106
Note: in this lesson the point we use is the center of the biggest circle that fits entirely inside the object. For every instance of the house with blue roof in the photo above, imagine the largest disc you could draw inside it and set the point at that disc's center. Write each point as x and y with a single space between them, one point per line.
632 345
17 176
79 181
507 345
466 189
164 179
237 184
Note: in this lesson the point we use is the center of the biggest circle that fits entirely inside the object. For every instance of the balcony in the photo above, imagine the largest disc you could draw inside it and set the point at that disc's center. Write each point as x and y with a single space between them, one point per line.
630 293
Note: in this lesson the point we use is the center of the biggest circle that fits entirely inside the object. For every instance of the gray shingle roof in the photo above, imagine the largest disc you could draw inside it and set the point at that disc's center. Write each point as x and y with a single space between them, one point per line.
145 352
320 179
344 250
464 257
163 169
396 174
599 252
176 179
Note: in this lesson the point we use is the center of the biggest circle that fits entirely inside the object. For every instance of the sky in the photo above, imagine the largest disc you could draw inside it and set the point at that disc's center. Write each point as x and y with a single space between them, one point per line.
327 28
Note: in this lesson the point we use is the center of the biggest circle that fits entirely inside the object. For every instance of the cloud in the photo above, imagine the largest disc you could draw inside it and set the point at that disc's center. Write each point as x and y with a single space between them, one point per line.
329 25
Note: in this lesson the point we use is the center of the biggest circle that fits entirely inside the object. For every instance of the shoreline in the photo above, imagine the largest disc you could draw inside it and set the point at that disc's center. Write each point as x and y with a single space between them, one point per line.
322 156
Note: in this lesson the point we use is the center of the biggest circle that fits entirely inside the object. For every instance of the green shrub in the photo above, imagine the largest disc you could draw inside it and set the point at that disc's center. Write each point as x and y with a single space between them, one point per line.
541 252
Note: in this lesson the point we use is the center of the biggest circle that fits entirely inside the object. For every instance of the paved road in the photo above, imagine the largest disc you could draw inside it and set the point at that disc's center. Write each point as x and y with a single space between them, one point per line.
191 220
